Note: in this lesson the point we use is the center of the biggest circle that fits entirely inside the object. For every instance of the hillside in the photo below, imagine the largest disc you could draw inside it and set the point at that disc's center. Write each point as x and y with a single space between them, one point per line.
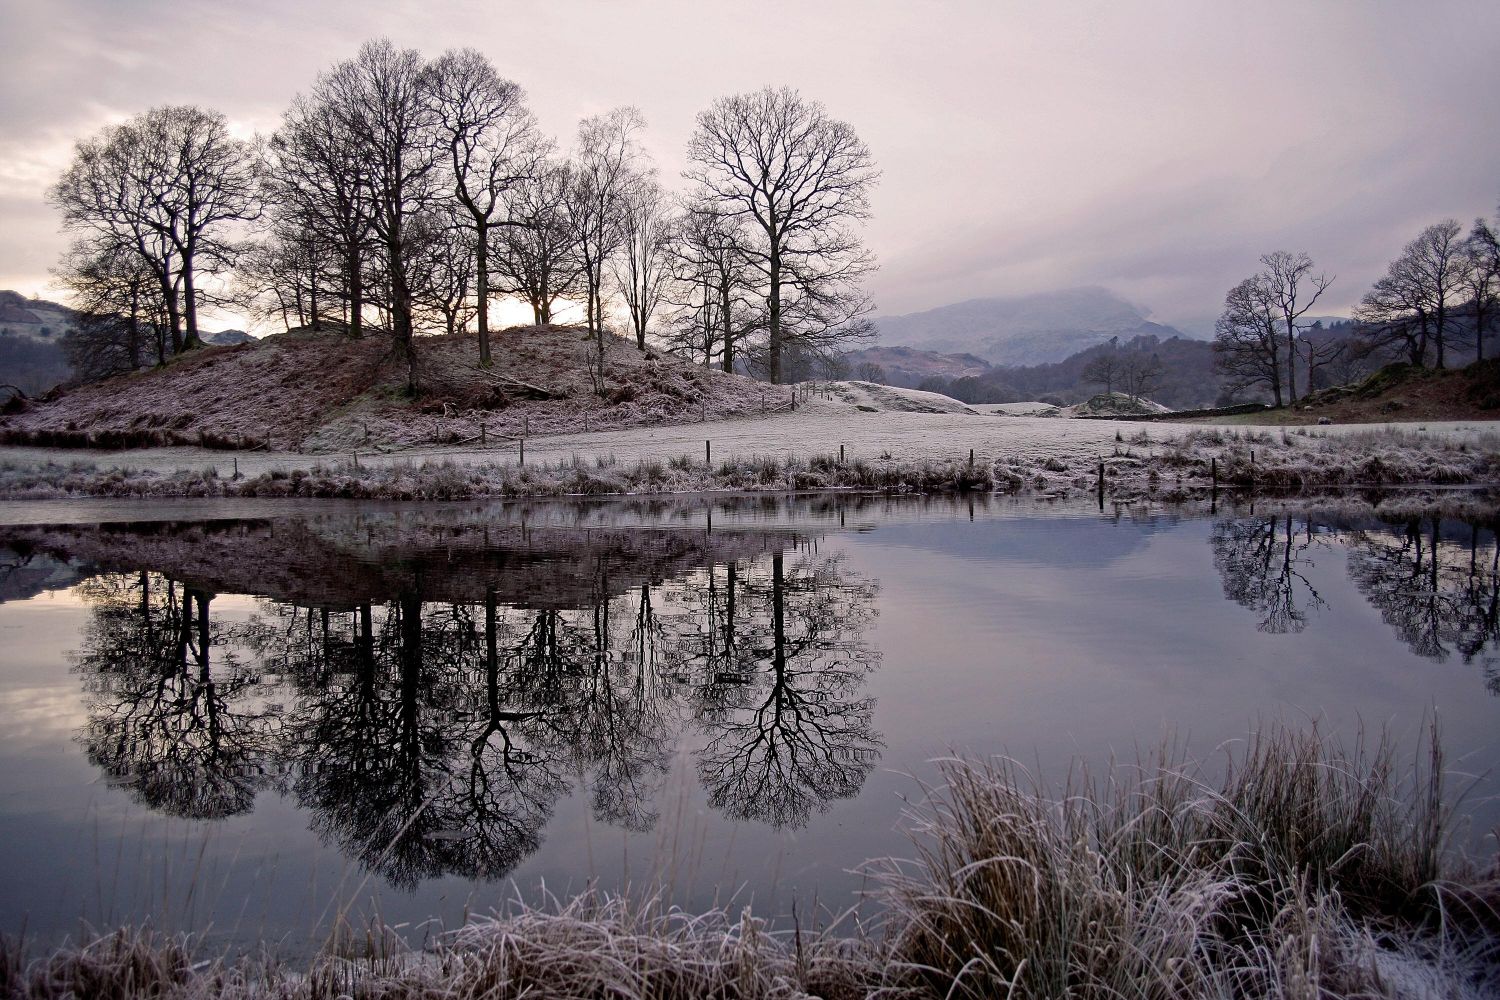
320 392
31 333
1022 330
1400 392
32 336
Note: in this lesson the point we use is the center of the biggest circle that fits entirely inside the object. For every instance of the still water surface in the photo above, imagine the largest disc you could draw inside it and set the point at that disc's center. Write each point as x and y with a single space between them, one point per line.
258 718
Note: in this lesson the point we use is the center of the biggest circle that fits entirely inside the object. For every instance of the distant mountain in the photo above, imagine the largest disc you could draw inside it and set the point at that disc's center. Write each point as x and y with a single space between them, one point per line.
908 366
1023 330
31 331
36 318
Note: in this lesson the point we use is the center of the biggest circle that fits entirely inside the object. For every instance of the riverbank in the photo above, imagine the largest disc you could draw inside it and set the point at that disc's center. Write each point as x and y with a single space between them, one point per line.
896 452
1308 868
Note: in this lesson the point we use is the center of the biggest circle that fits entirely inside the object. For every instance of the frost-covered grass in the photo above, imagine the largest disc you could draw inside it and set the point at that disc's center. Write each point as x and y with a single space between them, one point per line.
900 452
1308 869
447 480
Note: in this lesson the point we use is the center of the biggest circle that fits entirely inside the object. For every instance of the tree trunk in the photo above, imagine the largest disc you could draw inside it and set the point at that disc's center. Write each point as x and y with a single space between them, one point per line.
1291 363
773 304
401 318
189 303
725 318
174 319
1442 317
482 264
134 347
356 296
312 298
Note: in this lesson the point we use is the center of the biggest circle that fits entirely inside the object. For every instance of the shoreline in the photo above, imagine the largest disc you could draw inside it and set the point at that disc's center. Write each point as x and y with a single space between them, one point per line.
1311 867
1125 462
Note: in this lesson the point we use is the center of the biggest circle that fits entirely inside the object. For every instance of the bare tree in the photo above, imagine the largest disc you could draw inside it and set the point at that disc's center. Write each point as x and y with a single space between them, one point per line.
1105 369
795 178
1410 305
1435 259
444 269
379 99
492 144
1321 352
1394 316
714 284
119 306
534 257
318 179
644 268
285 276
1143 373
1247 345
1480 278
167 185
1295 289
604 168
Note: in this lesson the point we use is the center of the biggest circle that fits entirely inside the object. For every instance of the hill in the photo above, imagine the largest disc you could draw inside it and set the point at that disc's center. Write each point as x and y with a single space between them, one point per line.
1401 392
1023 330
31 334
321 392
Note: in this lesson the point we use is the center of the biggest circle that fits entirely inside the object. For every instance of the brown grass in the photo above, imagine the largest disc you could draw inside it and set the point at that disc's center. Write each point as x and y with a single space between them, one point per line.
1309 870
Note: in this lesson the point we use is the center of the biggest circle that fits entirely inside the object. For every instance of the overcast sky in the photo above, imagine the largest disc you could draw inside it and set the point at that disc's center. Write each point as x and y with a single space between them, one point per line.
1154 148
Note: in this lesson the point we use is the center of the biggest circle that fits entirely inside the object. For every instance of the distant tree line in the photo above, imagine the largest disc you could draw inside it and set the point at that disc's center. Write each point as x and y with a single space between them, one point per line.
1174 371
1435 306
401 195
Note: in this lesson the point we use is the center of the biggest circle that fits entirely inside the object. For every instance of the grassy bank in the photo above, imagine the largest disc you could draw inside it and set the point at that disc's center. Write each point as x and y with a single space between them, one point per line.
1307 869
1172 466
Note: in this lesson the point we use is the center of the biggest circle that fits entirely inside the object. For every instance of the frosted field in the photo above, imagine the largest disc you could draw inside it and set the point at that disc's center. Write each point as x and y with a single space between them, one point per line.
818 427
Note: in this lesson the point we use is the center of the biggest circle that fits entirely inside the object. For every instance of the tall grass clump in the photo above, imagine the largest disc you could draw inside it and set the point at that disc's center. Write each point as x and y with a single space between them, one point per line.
1300 872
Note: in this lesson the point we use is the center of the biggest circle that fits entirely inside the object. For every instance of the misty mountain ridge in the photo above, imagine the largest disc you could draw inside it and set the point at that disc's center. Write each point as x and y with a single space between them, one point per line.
1023 330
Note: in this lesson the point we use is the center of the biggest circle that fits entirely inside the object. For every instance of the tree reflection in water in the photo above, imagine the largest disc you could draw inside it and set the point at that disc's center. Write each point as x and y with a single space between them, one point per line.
1260 562
176 723
1435 582
1434 586
433 731
788 730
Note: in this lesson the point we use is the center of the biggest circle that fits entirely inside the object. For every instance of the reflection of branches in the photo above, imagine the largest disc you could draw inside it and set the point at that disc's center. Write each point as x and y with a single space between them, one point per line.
1438 597
432 739
799 736
1258 562
184 740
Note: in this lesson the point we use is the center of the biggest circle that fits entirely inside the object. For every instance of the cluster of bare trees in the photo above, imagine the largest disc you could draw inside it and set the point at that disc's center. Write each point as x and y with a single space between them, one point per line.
1438 297
154 202
406 194
1135 372
1260 336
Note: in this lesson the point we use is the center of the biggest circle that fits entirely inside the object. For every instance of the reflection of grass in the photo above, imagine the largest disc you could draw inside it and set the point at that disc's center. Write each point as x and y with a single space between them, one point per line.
1309 870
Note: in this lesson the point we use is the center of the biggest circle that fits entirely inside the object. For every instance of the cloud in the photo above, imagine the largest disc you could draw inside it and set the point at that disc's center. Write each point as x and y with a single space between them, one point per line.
1155 148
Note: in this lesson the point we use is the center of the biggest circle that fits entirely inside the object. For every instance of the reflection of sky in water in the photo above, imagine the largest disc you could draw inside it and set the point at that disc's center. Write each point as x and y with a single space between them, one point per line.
1039 636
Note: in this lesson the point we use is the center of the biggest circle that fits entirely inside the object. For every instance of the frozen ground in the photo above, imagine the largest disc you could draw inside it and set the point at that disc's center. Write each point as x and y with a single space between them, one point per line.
819 427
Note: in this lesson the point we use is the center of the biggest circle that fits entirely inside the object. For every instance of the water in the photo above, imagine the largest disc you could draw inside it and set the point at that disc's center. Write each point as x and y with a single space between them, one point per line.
260 719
